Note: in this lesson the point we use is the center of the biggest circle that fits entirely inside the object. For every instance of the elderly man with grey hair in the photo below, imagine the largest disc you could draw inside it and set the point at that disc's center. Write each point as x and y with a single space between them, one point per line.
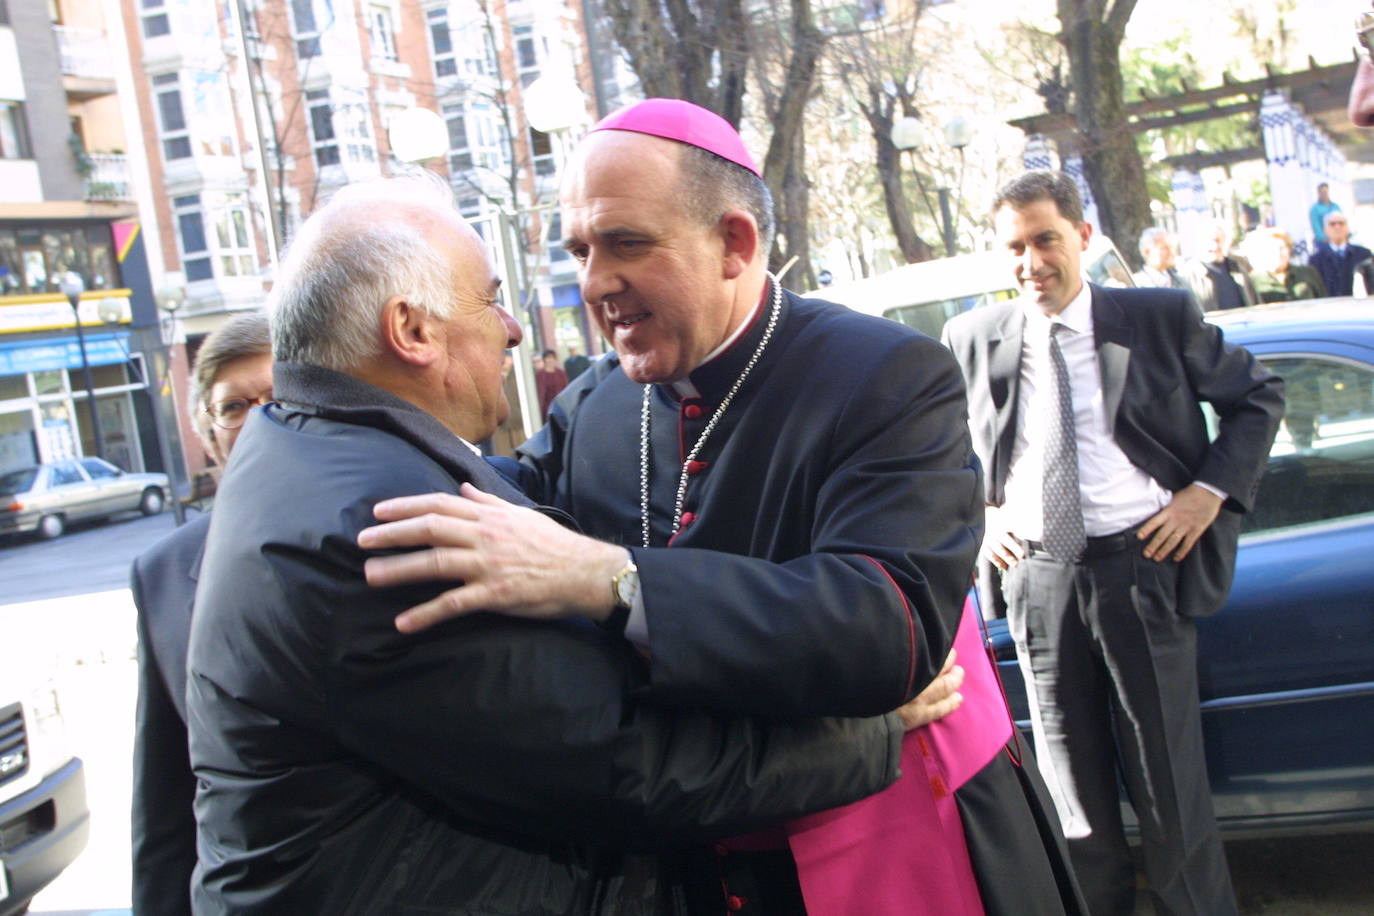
1159 253
488 765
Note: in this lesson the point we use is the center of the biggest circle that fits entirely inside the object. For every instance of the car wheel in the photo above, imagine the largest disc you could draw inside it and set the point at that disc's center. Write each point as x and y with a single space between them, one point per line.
51 526
151 503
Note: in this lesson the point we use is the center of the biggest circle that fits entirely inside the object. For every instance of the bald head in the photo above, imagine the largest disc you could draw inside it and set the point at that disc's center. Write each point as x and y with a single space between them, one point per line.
372 241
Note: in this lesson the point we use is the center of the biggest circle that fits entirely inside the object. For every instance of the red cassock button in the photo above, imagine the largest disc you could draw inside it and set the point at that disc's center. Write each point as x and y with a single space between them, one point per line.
696 467
688 518
692 411
735 904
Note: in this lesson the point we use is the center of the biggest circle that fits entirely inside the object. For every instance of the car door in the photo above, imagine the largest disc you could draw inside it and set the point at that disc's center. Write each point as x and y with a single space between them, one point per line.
74 494
117 492
1286 669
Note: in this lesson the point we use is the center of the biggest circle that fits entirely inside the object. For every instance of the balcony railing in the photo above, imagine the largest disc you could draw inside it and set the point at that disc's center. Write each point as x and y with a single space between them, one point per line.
108 178
85 52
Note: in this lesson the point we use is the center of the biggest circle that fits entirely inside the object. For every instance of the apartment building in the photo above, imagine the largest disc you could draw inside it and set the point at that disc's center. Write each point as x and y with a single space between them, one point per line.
75 378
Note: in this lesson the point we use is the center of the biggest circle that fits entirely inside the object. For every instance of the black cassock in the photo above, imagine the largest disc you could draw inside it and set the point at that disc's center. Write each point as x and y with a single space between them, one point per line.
830 526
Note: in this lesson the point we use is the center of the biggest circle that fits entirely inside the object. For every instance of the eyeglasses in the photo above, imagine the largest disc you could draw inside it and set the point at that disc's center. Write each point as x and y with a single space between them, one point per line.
231 412
1364 35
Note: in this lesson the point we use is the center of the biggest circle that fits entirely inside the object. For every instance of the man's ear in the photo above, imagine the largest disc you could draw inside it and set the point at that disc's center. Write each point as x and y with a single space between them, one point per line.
1085 232
741 236
409 333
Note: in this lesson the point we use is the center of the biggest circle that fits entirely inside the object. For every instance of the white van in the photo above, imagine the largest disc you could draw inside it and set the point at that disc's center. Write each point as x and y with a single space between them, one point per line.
926 295
44 821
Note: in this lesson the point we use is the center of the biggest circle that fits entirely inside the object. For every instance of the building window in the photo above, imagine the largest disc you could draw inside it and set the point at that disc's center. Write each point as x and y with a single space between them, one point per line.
555 240
155 21
473 137
14 135
527 53
306 29
234 247
382 33
322 128
32 260
195 252
441 42
333 122
541 150
176 142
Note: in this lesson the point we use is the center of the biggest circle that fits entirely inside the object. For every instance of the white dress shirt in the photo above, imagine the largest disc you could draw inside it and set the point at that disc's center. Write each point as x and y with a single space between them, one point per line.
1116 494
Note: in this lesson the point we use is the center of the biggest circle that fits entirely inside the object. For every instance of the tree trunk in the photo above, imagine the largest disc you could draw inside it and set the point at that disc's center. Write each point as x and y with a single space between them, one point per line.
782 170
1092 35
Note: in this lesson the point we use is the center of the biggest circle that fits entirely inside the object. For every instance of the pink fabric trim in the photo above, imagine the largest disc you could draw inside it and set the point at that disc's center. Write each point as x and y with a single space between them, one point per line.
903 852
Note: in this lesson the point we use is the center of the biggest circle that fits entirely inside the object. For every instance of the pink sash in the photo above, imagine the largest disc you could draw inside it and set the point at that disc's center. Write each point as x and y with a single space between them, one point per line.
902 852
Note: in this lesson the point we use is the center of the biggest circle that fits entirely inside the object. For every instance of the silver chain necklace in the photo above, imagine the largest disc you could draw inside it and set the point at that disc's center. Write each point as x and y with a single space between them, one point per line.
774 309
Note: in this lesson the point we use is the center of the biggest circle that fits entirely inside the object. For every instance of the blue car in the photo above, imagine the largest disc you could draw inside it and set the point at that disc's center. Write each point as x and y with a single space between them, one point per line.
1287 666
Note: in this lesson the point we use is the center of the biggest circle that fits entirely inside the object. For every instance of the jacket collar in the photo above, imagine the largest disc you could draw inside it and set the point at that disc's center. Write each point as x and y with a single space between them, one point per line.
345 399
713 378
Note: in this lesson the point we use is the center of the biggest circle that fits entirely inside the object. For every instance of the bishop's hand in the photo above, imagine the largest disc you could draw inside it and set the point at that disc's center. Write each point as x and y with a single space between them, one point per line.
939 698
506 558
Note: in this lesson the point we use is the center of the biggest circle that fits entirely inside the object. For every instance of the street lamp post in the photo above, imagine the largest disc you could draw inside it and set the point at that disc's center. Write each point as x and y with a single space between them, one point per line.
111 313
72 287
907 134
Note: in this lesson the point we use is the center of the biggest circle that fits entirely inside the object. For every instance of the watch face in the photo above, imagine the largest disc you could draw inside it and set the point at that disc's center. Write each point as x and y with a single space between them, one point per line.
627 587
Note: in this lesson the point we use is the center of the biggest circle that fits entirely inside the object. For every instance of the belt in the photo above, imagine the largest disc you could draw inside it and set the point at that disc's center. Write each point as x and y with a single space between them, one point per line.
1103 546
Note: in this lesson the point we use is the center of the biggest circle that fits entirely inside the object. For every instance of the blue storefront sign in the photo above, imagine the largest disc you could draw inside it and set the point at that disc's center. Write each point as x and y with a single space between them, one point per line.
62 353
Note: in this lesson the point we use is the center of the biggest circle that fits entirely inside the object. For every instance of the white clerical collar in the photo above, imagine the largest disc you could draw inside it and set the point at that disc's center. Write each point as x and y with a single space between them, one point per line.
683 386
475 450
1077 316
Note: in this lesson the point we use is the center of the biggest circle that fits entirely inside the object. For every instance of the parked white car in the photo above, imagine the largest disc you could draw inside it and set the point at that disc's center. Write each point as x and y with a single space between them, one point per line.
45 497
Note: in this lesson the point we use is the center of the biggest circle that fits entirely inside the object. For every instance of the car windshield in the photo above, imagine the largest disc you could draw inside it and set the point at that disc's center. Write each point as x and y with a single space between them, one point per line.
20 481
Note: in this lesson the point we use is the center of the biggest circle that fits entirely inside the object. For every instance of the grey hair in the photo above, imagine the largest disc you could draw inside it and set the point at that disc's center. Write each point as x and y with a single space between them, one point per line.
712 186
348 259
1148 237
242 336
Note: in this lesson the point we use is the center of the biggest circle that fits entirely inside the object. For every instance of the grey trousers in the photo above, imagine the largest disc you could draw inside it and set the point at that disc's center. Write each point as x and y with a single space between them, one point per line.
1111 676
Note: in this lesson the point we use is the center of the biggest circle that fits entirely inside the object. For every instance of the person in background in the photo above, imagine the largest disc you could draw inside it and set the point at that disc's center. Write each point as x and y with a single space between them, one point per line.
1337 258
1219 279
1115 519
549 380
1319 211
575 364
1159 254
1274 275
232 374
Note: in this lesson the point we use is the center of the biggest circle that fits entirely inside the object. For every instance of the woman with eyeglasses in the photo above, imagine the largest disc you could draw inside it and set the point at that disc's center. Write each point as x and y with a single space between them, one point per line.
232 374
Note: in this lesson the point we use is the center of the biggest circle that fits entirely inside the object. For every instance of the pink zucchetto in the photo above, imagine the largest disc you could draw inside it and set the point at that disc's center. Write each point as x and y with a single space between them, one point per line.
675 119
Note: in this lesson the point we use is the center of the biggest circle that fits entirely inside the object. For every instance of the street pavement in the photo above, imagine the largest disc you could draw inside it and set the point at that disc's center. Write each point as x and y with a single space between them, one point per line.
68 601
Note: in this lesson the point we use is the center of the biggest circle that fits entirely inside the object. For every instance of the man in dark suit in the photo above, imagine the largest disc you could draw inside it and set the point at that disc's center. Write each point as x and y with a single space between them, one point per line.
233 372
1337 257
1115 522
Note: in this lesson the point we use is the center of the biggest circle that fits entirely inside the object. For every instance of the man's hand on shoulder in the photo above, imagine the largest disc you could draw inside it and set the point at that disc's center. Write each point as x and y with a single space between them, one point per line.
1173 530
508 559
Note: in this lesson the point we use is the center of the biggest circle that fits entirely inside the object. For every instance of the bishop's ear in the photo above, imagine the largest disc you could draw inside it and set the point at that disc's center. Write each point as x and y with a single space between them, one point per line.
741 236
409 333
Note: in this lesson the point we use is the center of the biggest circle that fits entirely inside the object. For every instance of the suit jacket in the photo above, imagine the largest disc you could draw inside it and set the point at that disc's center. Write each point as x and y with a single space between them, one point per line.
1158 360
1338 270
488 765
1199 280
163 581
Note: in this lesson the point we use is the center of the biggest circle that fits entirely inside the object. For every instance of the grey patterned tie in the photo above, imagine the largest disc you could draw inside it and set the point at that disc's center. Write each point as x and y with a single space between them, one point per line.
1063 534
